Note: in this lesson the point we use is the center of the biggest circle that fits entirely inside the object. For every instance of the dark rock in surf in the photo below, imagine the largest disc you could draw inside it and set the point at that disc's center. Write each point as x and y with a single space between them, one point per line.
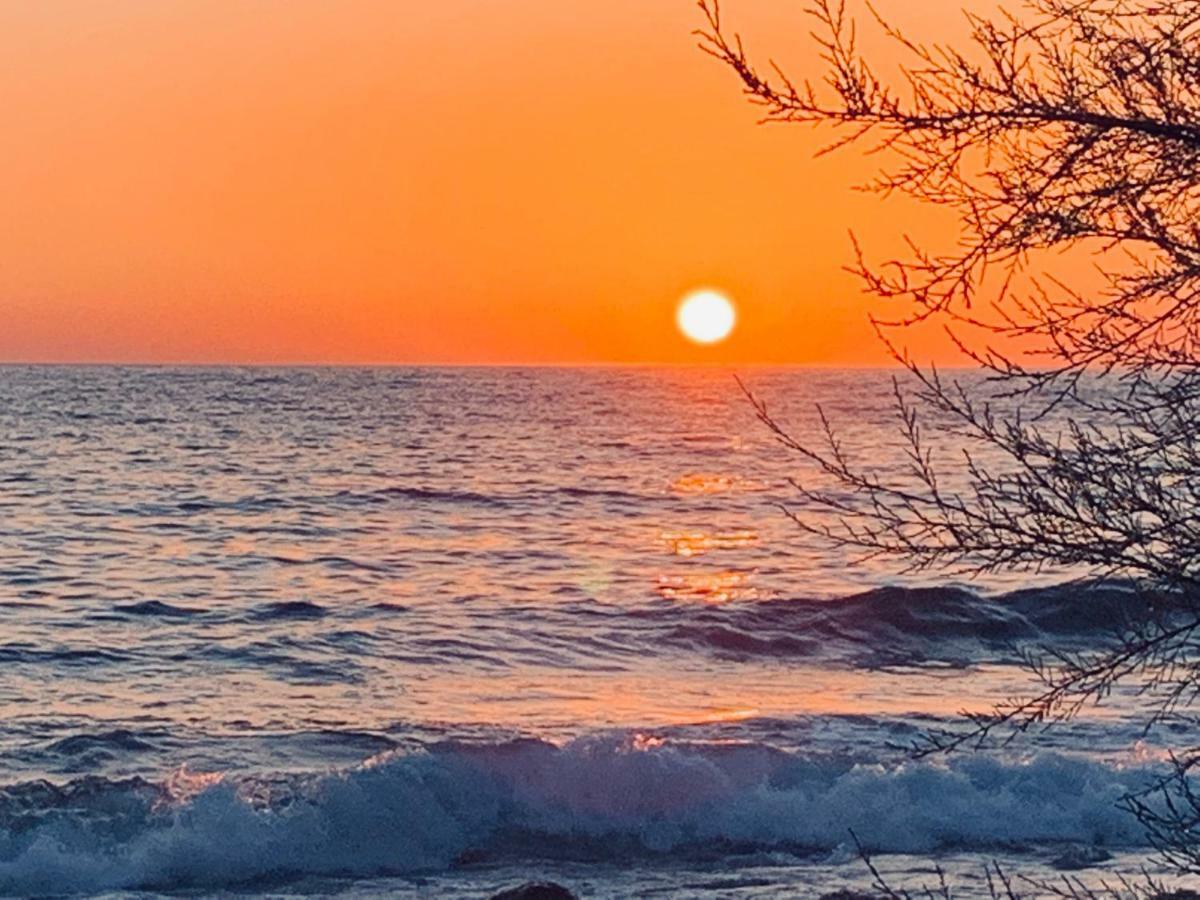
1074 858
536 890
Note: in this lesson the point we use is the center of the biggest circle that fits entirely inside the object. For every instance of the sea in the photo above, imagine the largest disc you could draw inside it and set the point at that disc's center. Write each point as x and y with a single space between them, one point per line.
435 632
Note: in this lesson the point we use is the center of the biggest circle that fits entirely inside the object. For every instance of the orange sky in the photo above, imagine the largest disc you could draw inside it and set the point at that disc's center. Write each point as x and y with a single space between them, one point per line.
405 182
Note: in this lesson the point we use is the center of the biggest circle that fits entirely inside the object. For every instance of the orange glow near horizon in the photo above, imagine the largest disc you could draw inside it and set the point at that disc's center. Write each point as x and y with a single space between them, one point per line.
459 182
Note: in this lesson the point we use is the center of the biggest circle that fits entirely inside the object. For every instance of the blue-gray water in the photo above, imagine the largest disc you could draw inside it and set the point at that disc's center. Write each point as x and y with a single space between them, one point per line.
430 630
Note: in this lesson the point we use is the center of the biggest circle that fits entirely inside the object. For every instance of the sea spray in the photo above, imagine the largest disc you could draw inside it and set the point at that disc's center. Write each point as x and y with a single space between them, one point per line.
408 812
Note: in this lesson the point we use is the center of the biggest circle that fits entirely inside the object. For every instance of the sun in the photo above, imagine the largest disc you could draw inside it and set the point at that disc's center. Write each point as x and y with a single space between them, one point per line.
706 317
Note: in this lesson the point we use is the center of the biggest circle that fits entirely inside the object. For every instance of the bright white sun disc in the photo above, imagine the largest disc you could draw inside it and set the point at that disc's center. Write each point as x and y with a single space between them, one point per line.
706 317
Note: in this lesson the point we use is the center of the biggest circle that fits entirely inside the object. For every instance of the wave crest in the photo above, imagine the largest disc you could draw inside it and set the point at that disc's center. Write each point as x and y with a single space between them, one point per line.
420 811
896 624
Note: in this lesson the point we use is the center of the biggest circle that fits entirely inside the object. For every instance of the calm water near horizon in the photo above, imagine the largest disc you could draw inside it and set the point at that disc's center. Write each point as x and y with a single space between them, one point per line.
434 631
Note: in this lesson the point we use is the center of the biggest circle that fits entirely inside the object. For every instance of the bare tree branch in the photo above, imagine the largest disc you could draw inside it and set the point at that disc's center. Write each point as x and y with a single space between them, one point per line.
1068 126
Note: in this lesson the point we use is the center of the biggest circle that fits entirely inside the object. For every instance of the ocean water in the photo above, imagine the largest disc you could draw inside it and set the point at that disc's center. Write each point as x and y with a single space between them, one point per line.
433 632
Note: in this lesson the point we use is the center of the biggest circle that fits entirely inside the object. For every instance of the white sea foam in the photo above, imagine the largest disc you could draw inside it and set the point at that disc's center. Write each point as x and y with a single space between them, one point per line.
423 811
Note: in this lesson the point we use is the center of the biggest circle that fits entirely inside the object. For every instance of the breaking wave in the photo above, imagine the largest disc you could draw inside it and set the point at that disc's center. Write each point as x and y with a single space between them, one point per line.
596 798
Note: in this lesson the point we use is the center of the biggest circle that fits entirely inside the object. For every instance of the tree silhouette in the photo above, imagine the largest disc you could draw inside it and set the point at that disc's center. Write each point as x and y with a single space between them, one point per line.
1070 127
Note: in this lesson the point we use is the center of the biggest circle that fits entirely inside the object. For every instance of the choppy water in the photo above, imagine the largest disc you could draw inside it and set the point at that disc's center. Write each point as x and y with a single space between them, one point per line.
430 630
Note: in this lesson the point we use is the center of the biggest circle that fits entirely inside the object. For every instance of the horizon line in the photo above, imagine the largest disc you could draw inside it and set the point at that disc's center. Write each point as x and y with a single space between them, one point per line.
182 364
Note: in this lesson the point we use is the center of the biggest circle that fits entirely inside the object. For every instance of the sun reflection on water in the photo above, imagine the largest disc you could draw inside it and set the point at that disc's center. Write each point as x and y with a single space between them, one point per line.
708 587
698 543
713 483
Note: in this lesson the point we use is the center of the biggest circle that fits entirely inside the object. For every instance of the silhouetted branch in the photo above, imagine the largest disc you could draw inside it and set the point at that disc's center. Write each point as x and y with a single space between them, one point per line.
1076 126
1071 126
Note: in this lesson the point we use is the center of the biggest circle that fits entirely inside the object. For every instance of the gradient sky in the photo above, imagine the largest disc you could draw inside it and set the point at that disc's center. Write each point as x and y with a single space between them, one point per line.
402 182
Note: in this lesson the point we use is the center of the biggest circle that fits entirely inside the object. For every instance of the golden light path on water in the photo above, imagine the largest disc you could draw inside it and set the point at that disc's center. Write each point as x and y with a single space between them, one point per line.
314 586
545 550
